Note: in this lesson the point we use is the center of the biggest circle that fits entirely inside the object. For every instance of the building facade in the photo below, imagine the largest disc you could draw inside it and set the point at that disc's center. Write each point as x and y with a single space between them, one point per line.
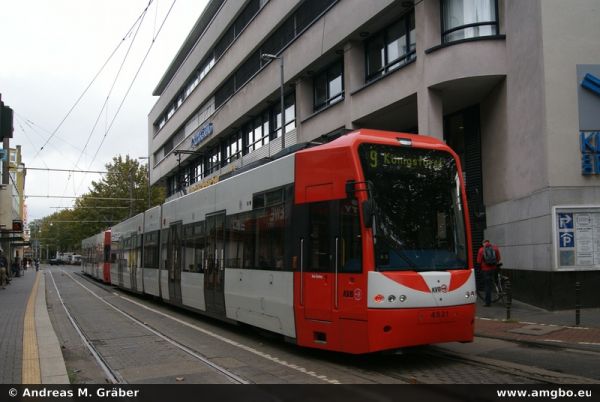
511 85
13 215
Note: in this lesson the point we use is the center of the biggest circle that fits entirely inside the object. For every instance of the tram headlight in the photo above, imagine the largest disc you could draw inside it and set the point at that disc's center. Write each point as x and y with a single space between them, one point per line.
402 298
391 298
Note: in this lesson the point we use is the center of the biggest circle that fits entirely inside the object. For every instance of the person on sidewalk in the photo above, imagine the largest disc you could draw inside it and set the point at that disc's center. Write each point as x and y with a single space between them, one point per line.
3 270
488 258
16 267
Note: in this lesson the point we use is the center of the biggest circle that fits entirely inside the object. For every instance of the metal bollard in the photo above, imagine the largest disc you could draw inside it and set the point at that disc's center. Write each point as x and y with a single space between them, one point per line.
577 303
508 291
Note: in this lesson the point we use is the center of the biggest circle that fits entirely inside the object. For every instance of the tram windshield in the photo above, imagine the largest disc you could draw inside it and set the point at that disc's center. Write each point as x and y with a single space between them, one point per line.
418 217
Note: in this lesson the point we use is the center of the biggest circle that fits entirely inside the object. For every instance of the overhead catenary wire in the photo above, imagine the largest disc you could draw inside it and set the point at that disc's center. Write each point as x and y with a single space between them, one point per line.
91 83
130 86
68 170
132 82
83 196
37 129
141 20
139 23
27 136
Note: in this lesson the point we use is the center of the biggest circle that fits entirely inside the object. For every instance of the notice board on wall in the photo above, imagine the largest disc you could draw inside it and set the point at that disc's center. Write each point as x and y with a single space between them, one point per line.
576 231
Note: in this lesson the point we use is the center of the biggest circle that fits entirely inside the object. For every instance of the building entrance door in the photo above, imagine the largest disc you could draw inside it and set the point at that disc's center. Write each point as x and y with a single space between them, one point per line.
463 134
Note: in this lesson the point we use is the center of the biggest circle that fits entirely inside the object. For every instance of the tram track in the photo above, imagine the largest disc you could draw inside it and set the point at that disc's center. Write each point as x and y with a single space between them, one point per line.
284 363
113 376
425 365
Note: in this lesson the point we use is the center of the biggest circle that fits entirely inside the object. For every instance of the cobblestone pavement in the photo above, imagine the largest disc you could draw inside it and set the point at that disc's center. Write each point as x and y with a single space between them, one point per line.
13 303
531 324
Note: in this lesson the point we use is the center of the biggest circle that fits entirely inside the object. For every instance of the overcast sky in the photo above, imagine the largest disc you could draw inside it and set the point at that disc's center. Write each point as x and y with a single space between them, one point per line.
49 53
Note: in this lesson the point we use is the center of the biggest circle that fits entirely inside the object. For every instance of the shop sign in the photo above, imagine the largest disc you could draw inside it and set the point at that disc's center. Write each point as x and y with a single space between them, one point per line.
201 134
588 100
590 152
577 238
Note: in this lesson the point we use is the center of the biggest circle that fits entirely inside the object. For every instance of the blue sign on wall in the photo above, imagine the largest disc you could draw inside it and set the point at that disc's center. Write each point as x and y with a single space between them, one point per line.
566 240
591 83
201 134
590 152
565 221
588 99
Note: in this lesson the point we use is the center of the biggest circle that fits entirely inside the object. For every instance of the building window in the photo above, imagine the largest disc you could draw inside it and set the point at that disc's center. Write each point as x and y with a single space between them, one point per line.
392 47
213 162
233 148
308 12
234 30
328 86
463 19
290 116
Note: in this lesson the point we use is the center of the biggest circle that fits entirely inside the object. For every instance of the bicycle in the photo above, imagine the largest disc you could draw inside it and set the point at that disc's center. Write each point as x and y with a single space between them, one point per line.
498 285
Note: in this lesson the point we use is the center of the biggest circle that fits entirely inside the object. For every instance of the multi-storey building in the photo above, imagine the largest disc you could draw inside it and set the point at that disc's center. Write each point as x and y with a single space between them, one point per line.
511 85
12 203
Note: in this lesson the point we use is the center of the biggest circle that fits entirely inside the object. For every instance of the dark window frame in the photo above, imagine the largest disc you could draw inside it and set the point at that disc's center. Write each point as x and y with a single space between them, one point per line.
446 32
276 43
329 76
407 19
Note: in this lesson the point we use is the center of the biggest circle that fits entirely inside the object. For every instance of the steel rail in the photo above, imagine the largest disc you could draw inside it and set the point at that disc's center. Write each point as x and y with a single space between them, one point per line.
228 374
112 376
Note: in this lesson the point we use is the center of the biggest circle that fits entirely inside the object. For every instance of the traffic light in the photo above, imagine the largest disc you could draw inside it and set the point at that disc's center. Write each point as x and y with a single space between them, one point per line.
17 226
6 122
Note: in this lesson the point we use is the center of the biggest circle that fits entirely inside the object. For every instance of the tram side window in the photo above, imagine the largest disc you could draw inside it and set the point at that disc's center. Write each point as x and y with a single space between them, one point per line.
164 237
193 244
255 239
350 243
151 250
248 239
114 250
319 237
270 237
236 236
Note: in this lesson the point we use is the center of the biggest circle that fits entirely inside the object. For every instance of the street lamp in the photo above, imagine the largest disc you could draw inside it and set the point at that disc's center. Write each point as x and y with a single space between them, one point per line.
266 57
148 158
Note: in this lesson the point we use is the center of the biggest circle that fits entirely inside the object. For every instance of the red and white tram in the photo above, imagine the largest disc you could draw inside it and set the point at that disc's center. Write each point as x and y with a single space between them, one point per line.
358 245
95 259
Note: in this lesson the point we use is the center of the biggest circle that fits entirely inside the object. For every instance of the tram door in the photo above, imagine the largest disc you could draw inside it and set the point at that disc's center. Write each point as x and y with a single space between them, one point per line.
174 262
120 261
214 274
319 277
133 261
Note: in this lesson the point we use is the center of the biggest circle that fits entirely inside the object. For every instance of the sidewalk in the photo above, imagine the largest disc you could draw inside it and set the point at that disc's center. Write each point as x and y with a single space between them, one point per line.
534 325
29 349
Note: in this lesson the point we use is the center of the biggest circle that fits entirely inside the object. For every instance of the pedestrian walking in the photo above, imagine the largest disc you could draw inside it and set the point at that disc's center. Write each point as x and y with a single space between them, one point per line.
488 258
16 266
3 270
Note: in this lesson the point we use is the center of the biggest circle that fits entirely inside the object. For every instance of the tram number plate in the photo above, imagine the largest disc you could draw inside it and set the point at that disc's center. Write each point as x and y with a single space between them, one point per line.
437 316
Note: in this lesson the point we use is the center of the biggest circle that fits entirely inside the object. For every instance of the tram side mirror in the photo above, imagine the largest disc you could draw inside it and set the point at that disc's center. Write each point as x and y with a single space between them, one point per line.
368 211
351 189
